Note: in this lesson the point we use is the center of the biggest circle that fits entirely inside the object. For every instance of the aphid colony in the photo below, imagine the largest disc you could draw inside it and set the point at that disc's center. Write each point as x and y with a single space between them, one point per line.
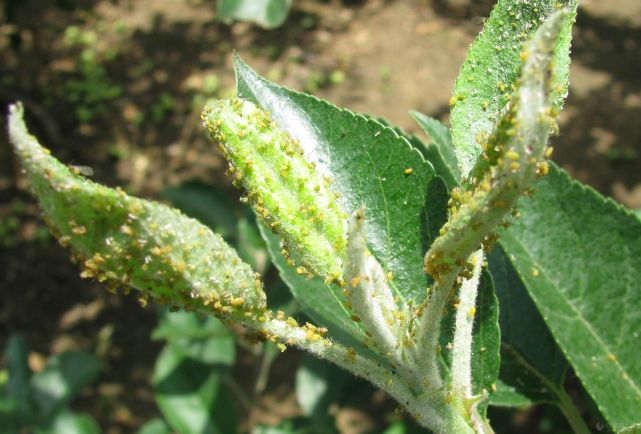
513 155
286 191
123 241
296 202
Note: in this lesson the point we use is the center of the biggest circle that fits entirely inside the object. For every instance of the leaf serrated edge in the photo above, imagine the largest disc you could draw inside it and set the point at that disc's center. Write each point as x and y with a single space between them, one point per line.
609 202
362 116
574 183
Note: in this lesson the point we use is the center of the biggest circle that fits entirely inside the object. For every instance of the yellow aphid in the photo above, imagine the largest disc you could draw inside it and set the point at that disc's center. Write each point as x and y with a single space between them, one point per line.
292 322
126 229
471 312
512 155
88 273
237 302
408 171
135 208
79 230
543 168
355 281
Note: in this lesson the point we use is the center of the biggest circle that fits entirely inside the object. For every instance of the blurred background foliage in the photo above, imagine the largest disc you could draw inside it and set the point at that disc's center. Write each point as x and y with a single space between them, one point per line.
116 88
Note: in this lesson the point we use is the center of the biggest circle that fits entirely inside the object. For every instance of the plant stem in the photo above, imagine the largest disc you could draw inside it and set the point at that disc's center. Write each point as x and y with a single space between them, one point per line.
565 403
571 413
429 329
450 419
427 412
347 358
464 324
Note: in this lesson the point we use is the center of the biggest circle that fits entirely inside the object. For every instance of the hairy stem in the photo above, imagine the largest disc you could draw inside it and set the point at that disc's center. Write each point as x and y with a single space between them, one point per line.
429 331
462 346
391 382
305 338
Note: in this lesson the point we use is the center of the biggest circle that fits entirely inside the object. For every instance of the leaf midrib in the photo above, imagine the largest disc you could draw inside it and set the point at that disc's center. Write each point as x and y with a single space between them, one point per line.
578 315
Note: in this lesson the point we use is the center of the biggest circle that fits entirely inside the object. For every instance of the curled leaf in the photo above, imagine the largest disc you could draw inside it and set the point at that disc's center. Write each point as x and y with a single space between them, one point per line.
125 241
287 192
513 156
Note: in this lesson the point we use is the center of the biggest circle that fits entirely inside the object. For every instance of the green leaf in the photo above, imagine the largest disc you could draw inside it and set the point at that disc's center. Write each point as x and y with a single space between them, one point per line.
486 339
634 429
532 366
16 359
297 425
441 147
492 68
62 378
579 256
68 422
403 428
205 340
191 396
370 166
430 152
266 13
318 384
155 426
168 256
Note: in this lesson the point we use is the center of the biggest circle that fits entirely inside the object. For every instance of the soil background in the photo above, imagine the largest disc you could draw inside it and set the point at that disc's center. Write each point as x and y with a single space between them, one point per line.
126 99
